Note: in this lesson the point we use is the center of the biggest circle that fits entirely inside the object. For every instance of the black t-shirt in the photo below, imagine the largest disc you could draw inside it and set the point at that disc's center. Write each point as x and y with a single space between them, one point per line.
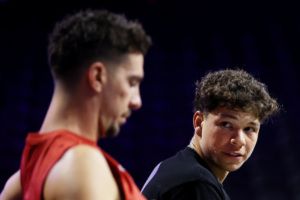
184 176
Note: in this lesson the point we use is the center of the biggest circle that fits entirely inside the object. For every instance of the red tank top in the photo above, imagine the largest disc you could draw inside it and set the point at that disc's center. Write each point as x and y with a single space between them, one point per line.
41 153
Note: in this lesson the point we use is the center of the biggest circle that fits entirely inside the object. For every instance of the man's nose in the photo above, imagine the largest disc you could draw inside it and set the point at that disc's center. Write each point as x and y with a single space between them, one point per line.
238 139
136 101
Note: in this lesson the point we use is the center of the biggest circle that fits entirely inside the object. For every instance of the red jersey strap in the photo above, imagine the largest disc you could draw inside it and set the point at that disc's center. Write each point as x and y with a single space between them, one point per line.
129 189
41 153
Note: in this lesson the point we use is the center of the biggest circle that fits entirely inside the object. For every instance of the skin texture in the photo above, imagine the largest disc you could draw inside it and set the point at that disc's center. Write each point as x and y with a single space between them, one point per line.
225 139
96 60
121 95
12 189
79 169
115 94
100 103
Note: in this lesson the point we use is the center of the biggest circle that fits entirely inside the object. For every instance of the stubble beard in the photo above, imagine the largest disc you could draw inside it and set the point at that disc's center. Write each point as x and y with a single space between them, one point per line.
112 131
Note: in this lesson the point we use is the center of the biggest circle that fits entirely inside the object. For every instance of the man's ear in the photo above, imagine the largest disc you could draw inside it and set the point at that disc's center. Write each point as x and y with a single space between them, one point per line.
97 76
197 122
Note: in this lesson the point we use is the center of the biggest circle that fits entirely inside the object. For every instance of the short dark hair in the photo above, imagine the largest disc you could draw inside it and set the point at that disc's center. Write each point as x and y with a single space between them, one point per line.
235 89
91 35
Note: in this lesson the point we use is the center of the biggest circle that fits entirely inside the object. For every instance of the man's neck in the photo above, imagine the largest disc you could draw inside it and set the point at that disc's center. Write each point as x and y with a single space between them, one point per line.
220 174
73 113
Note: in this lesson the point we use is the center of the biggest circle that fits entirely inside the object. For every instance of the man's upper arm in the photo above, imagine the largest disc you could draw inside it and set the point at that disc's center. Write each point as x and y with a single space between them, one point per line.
195 190
82 173
12 189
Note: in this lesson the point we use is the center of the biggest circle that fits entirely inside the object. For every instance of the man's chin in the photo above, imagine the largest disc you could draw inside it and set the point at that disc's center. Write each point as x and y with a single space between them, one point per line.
112 131
233 168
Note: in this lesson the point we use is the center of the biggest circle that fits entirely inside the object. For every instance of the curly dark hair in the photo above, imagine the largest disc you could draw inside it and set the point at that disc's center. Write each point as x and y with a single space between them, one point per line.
234 89
90 35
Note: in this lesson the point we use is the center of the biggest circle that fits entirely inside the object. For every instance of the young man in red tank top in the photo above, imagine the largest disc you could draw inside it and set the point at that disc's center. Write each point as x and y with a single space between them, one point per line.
96 60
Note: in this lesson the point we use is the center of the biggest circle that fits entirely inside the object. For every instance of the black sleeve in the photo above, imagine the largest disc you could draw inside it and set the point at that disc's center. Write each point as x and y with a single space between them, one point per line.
196 190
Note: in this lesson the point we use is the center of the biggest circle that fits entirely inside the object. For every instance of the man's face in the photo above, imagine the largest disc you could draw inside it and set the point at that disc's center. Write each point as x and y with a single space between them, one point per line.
228 138
122 93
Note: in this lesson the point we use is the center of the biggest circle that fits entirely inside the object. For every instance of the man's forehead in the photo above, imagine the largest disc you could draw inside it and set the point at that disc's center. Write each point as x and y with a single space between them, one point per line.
235 114
134 65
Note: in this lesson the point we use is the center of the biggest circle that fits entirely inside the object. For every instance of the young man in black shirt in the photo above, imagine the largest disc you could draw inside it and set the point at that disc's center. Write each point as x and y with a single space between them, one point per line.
229 107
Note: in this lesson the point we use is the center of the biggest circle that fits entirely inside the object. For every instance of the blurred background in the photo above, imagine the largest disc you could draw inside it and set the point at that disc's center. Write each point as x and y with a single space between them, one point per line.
190 39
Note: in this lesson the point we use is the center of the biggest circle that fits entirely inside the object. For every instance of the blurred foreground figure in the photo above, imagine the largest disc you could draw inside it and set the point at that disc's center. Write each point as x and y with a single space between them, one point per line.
96 60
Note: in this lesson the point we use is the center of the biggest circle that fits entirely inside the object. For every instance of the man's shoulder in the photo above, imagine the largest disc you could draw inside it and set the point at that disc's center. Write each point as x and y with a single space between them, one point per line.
12 188
83 153
185 171
188 164
183 167
82 169
83 158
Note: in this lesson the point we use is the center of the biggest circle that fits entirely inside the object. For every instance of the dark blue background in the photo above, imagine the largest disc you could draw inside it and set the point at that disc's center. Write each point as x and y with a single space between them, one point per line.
190 38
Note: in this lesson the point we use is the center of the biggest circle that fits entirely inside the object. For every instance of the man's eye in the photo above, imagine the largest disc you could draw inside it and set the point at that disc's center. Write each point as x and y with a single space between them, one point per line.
133 83
226 125
249 129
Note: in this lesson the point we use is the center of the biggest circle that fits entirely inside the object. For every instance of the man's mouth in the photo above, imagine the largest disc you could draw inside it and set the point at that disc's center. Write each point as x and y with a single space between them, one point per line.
234 154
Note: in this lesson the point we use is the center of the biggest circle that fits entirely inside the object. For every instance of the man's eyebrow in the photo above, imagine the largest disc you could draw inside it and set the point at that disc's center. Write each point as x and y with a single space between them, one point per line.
226 115
254 124
136 78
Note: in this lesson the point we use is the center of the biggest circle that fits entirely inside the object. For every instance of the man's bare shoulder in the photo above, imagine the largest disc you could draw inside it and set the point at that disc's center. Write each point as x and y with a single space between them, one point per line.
82 173
12 189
